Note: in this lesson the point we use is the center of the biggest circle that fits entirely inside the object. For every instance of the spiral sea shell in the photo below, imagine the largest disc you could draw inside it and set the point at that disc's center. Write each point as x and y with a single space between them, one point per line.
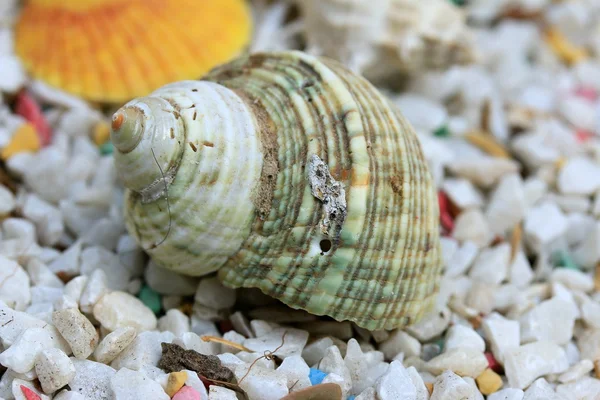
288 173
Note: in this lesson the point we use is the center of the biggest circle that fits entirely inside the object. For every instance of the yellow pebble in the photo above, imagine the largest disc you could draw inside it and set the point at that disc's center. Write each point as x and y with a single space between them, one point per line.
24 139
429 387
101 133
489 382
175 382
564 49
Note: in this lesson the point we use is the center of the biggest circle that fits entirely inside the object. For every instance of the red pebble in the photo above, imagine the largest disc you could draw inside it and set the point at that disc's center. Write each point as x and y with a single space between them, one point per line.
225 326
206 382
29 109
583 136
445 217
186 393
29 394
587 93
493 363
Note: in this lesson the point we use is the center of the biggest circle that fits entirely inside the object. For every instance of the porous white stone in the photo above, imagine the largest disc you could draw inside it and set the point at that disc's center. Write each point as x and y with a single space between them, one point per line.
296 371
528 362
168 282
14 284
540 390
579 176
551 320
119 309
507 204
54 369
471 225
174 321
462 336
462 259
507 394
144 350
462 361
430 325
92 379
293 343
448 385
462 193
400 342
127 384
114 343
396 383
77 330
211 293
503 334
544 224
491 265
21 355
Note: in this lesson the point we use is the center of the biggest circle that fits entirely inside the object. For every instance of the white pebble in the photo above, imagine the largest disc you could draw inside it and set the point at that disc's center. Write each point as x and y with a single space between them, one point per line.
491 265
590 312
7 201
18 394
520 273
41 275
175 321
540 390
576 371
296 370
396 383
21 355
573 279
54 369
119 309
578 112
579 176
220 393
332 363
45 294
69 395
461 336
483 171
191 341
528 362
234 337
46 217
113 344
145 349
14 284
503 334
400 342
544 224
448 385
462 193
92 379
13 75
471 225
77 330
93 258
211 293
167 282
422 112
293 343
261 383
315 351
462 361
462 259
133 385
551 320
507 204
507 394
68 262
587 254
584 388
430 325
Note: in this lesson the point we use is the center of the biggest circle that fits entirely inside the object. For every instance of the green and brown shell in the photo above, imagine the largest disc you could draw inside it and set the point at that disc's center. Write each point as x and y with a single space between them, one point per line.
288 173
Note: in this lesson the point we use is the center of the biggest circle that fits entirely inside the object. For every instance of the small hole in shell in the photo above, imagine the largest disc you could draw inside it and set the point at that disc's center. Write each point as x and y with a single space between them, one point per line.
325 245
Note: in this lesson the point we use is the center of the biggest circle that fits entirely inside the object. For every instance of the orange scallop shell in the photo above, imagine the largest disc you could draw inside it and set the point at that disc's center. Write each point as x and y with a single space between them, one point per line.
115 50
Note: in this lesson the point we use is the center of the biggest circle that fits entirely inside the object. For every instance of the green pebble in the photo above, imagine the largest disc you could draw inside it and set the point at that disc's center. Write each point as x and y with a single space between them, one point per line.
442 131
150 298
440 343
106 148
563 259
459 2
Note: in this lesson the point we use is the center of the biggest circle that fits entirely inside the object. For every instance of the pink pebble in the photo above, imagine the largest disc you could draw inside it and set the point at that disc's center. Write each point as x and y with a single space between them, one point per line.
587 93
187 393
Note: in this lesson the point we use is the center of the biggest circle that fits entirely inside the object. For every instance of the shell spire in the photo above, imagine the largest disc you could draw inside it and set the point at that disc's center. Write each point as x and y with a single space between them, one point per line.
288 173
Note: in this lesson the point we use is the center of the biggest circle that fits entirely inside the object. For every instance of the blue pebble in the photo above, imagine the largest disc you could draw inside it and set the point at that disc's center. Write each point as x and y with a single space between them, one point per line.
351 397
316 376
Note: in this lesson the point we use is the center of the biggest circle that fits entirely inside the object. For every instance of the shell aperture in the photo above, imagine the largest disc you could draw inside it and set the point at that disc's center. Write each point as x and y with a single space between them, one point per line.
290 174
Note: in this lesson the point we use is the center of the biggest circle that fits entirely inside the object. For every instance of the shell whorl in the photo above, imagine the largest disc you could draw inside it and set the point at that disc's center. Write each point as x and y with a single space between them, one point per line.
323 139
197 141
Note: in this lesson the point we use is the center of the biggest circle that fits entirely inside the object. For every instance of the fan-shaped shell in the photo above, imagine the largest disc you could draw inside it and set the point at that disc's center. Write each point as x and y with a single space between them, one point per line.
114 50
287 173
